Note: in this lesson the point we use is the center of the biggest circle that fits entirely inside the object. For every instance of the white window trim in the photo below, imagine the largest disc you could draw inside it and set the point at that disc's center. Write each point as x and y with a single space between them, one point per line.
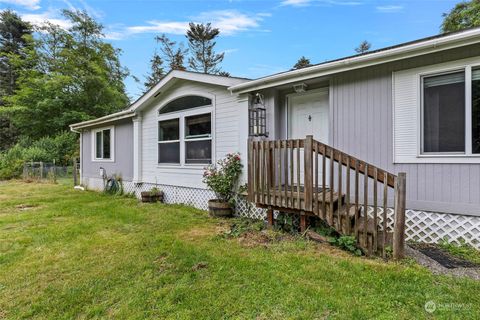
419 74
112 144
181 115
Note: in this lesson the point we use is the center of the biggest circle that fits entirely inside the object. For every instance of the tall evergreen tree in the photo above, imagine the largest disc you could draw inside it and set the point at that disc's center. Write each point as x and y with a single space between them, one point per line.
465 14
14 39
201 41
14 34
157 71
363 47
303 62
172 53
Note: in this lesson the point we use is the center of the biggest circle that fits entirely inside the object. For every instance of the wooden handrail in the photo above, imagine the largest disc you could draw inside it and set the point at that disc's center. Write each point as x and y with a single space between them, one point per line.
275 180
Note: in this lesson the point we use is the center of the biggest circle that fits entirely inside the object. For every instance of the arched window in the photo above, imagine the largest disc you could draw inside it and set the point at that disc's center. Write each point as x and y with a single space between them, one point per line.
185 136
186 102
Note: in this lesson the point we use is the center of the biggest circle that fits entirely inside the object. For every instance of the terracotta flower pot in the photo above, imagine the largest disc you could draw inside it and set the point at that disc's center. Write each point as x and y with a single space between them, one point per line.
219 208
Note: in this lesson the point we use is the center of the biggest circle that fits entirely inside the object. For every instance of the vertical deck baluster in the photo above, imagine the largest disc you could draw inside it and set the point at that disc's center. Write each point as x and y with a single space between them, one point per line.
279 169
365 206
347 198
340 192
285 172
292 176
274 171
268 165
299 206
375 207
357 186
251 191
385 217
262 170
324 182
332 164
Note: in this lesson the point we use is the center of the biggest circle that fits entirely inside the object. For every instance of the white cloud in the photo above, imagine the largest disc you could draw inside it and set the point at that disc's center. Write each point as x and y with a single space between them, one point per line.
295 3
29 4
228 21
304 3
154 26
50 16
231 21
389 8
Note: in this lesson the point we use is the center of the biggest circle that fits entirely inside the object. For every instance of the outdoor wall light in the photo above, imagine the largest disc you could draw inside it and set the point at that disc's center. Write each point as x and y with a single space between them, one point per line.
257 117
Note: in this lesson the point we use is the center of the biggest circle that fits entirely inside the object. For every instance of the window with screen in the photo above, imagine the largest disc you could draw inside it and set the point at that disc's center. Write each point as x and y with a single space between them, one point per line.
198 139
103 144
444 113
169 141
476 111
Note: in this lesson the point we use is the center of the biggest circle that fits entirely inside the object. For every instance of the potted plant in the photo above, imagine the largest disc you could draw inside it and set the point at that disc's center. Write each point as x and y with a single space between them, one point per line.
153 195
222 179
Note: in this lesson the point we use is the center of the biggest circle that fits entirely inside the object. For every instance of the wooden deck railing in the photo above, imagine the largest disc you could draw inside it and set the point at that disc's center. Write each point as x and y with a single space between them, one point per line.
311 178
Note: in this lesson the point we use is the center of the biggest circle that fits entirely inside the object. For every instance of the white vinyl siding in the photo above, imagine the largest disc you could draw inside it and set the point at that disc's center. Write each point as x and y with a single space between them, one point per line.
229 132
407 114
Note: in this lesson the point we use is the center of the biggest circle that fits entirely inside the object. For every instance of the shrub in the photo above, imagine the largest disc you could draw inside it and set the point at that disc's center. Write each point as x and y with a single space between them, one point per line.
348 243
60 149
223 178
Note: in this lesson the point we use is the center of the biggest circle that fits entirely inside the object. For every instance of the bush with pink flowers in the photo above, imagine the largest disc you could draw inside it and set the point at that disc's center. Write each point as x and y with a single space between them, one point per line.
222 178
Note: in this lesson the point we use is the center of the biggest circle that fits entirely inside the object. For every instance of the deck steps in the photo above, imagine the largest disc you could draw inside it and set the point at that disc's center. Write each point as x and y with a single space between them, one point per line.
309 178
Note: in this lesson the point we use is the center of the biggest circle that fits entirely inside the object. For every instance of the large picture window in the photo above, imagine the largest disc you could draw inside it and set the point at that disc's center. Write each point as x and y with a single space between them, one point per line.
103 144
451 113
187 138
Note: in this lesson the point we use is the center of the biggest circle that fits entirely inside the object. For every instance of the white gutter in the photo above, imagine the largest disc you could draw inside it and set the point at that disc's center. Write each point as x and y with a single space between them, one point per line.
397 53
109 118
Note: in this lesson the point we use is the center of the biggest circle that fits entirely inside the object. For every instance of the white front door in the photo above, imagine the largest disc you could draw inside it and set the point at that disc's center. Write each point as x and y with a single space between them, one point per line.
308 114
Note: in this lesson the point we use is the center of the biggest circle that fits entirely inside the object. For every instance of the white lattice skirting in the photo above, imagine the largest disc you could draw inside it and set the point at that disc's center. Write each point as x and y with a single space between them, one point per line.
421 226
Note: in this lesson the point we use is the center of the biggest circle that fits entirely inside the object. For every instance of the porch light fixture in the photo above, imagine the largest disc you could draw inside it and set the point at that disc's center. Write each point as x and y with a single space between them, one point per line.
300 87
257 117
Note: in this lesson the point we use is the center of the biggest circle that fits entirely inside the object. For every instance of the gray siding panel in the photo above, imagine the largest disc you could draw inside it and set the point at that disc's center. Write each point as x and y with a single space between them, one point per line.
362 120
123 164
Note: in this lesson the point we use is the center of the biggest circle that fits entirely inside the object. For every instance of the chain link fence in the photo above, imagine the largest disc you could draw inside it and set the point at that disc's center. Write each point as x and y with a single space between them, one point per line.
46 171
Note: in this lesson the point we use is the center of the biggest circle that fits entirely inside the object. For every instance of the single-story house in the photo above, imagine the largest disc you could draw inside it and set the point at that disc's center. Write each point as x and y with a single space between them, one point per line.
413 108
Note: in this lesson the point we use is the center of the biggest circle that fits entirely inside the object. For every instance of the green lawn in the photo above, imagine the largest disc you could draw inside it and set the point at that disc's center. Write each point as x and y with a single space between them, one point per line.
69 254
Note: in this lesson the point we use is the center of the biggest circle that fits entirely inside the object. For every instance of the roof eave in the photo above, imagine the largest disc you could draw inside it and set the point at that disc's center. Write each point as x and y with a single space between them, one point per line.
99 121
438 44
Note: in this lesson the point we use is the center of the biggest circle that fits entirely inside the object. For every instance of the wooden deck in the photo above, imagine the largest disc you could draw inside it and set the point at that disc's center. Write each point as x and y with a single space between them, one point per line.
291 176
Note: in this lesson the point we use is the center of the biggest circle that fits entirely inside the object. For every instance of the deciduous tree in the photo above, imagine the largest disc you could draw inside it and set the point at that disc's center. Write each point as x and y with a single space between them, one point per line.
465 14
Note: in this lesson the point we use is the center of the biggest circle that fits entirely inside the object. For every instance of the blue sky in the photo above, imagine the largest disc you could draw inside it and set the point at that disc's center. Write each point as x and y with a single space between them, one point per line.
258 37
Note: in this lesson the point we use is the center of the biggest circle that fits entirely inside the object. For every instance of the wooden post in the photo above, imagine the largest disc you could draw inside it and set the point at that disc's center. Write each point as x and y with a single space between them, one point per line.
41 170
399 227
303 222
74 171
270 219
307 170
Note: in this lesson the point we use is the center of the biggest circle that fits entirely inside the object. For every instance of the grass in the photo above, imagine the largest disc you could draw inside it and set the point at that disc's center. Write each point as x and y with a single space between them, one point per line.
70 254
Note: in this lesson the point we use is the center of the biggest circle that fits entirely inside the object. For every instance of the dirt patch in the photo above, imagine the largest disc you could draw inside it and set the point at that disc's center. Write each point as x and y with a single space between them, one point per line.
25 207
262 238
200 233
200 265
